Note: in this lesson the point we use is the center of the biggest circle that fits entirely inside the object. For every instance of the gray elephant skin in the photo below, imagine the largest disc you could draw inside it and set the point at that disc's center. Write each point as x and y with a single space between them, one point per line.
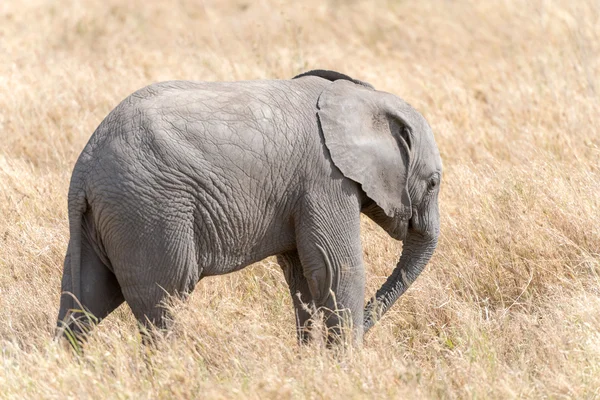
185 179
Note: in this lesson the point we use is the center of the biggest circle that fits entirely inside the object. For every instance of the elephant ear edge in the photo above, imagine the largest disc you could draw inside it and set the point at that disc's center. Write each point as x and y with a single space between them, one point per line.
368 143
333 76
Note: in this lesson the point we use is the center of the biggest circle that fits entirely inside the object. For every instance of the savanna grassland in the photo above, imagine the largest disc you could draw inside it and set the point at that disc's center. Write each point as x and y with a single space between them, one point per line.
509 306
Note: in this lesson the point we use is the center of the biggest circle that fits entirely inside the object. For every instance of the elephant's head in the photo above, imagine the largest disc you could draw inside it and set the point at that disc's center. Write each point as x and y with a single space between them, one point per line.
381 142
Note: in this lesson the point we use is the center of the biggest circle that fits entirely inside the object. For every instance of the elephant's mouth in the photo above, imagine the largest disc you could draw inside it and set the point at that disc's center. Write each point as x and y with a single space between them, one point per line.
401 230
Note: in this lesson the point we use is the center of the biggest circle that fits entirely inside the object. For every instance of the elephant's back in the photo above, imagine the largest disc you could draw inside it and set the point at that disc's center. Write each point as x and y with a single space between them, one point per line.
254 116
249 139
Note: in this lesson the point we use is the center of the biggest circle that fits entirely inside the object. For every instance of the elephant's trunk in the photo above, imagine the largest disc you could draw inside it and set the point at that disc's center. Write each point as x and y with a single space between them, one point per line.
416 252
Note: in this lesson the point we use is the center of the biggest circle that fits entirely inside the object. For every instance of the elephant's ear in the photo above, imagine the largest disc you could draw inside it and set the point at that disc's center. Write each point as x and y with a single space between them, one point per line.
369 141
333 76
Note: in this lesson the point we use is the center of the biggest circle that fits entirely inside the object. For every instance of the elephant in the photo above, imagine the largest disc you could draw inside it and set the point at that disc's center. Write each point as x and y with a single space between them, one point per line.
188 179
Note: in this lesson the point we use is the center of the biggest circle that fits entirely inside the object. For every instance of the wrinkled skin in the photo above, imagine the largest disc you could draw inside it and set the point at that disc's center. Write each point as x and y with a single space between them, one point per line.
184 180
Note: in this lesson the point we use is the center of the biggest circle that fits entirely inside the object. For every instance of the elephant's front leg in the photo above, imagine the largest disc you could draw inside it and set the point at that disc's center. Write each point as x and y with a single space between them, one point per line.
303 304
330 251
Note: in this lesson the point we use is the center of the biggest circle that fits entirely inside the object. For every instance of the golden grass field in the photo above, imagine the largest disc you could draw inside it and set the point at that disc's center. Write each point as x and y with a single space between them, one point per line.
509 306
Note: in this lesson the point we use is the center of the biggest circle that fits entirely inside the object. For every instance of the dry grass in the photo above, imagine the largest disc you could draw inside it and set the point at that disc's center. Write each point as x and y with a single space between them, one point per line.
510 304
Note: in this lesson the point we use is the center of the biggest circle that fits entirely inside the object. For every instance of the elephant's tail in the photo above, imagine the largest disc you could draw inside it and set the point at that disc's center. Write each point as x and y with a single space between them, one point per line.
77 207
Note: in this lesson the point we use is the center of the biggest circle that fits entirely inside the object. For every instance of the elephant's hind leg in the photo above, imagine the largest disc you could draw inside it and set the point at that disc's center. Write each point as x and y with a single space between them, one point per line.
153 275
100 293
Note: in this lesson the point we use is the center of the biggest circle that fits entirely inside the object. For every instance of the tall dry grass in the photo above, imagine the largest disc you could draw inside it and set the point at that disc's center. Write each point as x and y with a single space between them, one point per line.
510 304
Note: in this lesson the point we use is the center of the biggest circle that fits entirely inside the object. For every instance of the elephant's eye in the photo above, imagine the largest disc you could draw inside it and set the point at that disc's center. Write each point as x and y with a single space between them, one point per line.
432 184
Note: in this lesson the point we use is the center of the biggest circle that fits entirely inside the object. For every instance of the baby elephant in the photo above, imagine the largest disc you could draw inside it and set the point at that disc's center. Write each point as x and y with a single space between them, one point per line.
184 180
